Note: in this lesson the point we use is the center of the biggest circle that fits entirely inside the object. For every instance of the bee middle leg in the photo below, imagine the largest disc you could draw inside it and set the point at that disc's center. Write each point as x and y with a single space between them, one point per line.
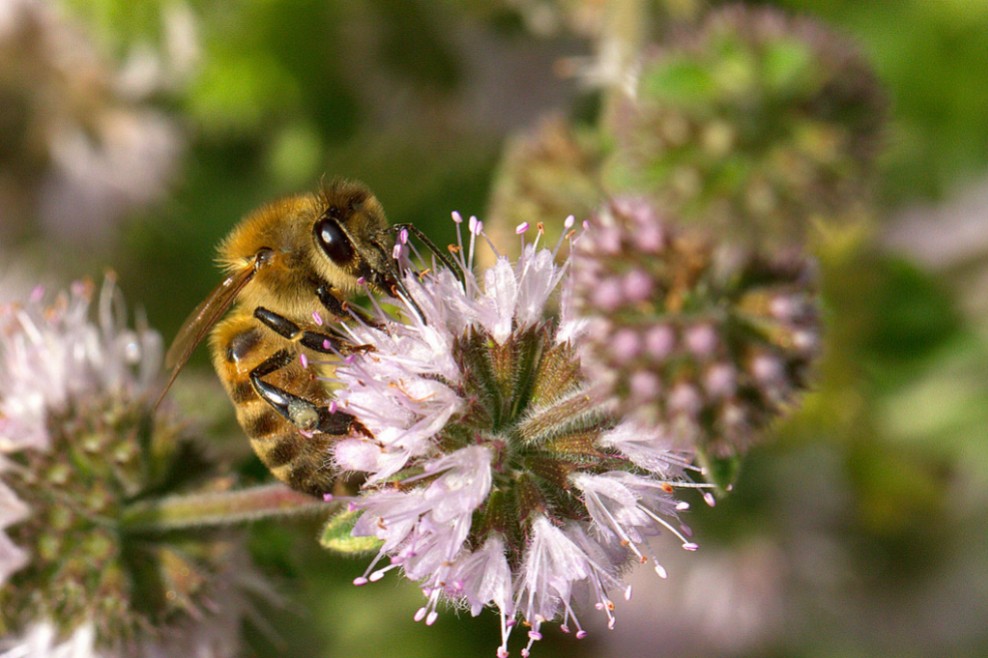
302 413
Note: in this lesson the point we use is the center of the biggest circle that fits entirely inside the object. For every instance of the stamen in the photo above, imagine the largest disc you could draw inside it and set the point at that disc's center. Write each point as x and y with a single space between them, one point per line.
533 636
458 220
567 225
476 226
655 517
497 254
380 573
506 626
615 524
368 576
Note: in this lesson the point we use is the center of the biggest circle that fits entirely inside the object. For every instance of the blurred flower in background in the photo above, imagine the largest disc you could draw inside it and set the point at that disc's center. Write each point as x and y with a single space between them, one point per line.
79 444
707 340
855 526
80 147
545 175
755 122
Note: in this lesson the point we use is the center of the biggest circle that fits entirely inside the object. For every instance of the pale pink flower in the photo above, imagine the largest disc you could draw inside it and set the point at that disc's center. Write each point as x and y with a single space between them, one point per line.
496 475
79 438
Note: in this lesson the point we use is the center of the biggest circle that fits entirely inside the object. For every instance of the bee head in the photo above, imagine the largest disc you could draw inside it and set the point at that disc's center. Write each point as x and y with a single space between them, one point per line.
353 239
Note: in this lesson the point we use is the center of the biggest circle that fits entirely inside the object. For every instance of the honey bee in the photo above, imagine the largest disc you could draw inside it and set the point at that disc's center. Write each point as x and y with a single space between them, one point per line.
287 264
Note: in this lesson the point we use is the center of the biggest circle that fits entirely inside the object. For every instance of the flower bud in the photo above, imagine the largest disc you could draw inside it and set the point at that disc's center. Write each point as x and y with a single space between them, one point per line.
720 345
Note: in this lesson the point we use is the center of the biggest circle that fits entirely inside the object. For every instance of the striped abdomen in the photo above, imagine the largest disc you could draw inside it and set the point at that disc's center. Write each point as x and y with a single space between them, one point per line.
239 344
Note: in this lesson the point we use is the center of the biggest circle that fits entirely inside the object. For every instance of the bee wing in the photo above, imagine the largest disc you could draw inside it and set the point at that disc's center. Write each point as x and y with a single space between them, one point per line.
201 320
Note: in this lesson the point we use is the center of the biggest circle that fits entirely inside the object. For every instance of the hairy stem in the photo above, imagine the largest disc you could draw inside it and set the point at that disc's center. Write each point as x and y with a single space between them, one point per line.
213 509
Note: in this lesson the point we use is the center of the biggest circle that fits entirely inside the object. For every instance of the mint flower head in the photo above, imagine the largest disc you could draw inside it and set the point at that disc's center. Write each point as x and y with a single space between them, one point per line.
80 446
704 340
497 474
757 122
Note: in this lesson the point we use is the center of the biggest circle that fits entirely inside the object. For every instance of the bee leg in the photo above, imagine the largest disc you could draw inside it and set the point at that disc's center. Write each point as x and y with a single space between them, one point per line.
443 257
298 411
314 340
340 309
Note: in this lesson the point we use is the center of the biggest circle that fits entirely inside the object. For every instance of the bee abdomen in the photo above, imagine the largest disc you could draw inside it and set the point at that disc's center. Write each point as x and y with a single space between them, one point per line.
300 461
302 467
260 421
242 344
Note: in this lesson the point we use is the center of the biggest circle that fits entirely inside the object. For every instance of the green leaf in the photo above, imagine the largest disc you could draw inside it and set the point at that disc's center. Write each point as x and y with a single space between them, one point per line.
336 535
722 472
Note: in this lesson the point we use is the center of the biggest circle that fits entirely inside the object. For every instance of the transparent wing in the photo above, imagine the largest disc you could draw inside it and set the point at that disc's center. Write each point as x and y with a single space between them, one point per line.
201 320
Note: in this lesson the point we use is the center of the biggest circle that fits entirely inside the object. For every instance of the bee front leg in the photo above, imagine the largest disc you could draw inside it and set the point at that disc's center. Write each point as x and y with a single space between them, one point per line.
340 309
316 341
302 413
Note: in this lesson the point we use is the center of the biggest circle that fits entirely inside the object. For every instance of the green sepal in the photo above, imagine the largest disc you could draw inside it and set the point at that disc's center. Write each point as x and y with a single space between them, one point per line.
336 535
722 472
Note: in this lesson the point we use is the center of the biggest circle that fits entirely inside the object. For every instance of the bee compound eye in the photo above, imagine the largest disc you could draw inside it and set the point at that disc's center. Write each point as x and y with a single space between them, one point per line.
334 241
263 257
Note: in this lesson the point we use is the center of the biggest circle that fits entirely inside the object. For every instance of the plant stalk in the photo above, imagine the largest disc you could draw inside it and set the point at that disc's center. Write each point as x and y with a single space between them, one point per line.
213 509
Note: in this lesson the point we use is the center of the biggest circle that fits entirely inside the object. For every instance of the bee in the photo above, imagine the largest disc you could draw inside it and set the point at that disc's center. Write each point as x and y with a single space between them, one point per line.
287 264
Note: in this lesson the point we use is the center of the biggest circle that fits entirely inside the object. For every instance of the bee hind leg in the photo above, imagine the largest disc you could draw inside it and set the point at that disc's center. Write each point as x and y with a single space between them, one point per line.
302 413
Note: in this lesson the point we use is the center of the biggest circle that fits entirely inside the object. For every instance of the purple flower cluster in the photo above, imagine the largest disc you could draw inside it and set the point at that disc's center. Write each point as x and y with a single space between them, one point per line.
705 341
497 475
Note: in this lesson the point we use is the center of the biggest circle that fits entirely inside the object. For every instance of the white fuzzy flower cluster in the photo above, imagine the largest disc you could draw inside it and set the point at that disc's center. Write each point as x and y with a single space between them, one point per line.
76 390
495 475
52 354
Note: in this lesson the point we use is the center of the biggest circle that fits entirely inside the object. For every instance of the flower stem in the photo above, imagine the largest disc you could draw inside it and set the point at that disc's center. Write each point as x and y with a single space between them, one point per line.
621 36
212 509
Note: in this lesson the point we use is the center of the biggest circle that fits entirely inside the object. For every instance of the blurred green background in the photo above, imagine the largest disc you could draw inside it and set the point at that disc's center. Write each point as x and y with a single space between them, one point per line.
134 135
